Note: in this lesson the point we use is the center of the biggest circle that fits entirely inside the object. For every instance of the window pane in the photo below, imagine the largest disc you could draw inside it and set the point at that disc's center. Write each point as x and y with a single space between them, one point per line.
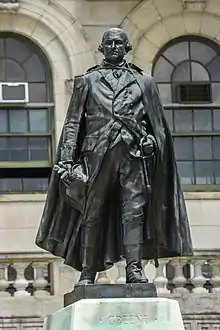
183 148
18 120
163 70
201 52
4 154
35 184
39 155
183 120
17 50
216 120
186 172
18 148
169 117
202 120
202 148
204 172
10 184
199 73
216 147
39 149
165 93
2 70
191 93
177 53
38 143
37 92
216 93
3 121
181 73
217 172
14 72
34 69
38 120
214 69
2 48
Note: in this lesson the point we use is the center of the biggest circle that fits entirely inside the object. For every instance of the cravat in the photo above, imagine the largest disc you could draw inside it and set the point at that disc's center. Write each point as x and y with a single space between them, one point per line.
117 73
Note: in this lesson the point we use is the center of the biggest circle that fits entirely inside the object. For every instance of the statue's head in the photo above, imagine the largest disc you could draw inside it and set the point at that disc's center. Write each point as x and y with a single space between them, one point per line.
115 45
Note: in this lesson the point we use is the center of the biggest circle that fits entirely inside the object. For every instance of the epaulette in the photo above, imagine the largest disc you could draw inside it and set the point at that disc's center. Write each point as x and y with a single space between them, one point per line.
135 67
79 81
93 68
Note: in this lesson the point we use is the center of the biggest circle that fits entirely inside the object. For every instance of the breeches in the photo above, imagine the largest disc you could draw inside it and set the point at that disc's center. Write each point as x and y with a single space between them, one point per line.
118 169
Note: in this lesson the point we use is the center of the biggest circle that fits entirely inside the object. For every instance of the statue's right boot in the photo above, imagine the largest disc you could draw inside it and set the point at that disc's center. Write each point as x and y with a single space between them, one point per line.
88 273
88 256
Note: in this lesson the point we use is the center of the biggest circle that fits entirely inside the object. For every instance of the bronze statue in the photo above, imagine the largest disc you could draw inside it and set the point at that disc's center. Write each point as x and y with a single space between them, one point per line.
114 191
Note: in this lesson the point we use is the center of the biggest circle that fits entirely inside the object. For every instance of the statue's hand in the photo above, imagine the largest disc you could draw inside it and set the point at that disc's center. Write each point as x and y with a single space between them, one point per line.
149 146
65 171
67 165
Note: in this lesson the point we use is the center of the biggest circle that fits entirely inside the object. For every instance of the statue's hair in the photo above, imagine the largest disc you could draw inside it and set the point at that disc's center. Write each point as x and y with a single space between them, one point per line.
128 45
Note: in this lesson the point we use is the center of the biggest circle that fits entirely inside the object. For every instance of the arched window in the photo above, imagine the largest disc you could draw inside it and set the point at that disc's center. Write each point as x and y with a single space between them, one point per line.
25 115
187 71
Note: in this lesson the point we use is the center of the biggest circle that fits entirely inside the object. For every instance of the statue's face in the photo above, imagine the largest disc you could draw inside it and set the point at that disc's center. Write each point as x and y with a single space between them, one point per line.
114 47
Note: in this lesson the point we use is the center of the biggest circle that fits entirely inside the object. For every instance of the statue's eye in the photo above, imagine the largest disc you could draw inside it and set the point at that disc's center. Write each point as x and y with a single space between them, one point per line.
108 42
118 42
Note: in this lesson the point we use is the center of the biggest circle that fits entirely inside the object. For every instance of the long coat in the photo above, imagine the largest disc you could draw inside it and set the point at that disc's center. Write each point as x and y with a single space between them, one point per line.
166 226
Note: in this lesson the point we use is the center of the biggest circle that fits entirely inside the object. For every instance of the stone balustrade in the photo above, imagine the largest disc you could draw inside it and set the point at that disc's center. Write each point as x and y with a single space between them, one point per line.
25 276
199 274
40 276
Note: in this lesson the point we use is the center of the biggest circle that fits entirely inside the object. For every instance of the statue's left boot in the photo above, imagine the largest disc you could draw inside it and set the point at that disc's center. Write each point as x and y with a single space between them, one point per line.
133 267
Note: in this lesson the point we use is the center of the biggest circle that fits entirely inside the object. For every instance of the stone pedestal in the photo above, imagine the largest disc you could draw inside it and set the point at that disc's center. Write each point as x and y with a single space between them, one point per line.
118 313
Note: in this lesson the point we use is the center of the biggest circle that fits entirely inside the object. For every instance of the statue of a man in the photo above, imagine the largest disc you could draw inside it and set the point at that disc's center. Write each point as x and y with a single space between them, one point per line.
115 191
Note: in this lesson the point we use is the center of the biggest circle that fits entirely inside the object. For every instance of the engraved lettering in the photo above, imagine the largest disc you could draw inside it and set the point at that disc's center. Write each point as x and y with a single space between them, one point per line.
129 319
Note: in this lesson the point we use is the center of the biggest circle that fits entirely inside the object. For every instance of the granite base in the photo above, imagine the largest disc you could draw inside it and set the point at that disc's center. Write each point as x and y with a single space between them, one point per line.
118 313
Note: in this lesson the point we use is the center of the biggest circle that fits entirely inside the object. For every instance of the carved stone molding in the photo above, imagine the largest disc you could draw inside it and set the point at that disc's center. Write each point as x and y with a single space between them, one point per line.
14 323
194 4
69 85
9 5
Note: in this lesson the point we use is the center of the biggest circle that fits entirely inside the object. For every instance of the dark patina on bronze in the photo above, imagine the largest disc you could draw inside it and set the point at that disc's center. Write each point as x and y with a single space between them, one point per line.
115 190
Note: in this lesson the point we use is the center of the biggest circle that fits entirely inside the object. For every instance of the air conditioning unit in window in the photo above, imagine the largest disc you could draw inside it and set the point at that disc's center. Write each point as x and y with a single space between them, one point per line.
14 92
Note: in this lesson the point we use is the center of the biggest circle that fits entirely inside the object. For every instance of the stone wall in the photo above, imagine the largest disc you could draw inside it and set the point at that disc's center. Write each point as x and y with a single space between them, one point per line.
69 33
201 320
20 216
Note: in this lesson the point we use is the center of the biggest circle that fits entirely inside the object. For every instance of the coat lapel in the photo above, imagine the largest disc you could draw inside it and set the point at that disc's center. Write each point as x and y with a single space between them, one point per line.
126 79
106 79
116 85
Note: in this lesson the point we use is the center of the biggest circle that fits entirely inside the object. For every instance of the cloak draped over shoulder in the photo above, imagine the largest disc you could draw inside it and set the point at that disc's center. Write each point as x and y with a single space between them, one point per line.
166 213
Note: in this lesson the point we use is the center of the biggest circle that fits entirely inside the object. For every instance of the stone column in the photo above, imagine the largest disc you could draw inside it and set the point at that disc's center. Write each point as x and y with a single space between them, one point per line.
21 283
121 278
179 279
4 284
161 280
215 280
40 281
102 278
198 279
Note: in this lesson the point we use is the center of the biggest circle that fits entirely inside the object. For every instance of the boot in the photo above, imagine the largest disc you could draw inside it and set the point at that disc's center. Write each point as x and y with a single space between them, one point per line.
88 273
134 268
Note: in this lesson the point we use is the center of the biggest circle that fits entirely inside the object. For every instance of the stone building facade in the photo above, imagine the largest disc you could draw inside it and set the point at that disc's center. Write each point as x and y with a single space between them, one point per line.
43 45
